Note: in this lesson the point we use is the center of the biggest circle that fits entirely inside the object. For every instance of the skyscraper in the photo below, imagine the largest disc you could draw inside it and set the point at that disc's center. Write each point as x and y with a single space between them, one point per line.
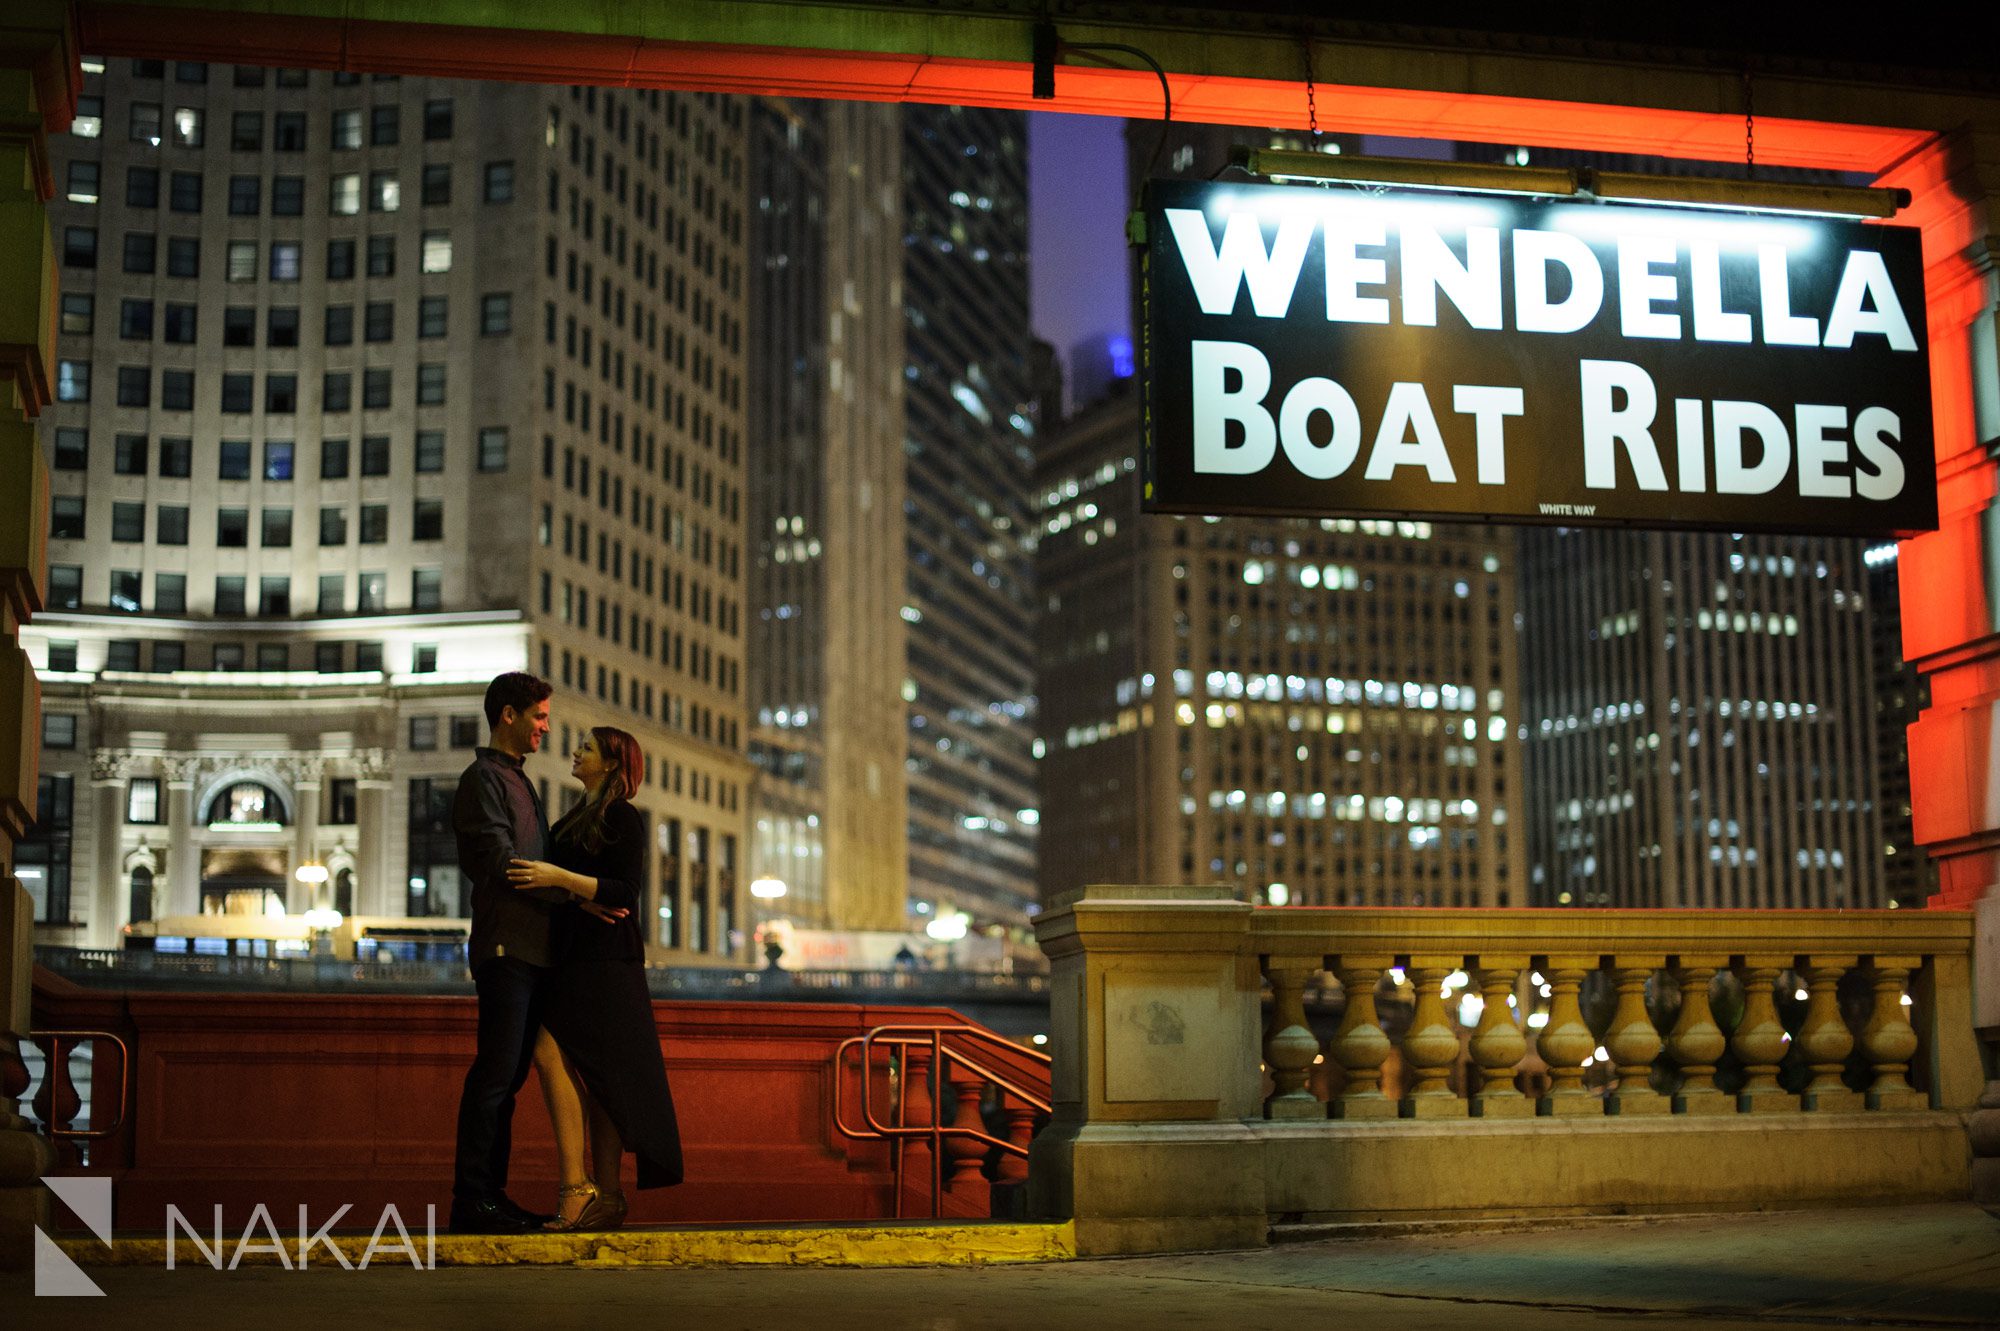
371 389
827 634
1701 721
969 441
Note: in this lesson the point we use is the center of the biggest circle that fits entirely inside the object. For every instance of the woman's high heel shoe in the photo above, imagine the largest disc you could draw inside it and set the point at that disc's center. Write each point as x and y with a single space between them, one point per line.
602 1212
567 1190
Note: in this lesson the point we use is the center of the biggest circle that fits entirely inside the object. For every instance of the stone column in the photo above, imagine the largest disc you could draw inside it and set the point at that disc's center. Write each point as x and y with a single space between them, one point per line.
183 892
377 890
301 897
39 79
107 894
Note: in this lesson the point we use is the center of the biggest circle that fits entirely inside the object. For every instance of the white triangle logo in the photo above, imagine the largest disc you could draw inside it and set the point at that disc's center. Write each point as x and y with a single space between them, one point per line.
56 1276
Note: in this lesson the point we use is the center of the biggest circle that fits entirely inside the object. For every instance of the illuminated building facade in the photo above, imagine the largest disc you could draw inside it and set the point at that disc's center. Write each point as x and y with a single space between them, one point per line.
827 657
1314 712
1700 716
969 445
371 388
1909 875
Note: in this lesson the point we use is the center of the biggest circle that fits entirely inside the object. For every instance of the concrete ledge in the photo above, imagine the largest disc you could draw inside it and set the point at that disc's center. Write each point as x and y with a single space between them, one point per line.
1470 1169
870 1244
1156 1187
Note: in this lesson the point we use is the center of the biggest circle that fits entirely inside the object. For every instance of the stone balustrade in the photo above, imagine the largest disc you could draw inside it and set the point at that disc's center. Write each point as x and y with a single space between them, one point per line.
1219 1068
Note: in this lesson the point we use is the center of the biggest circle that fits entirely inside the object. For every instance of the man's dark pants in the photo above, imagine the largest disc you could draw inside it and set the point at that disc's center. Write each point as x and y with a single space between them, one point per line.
510 1012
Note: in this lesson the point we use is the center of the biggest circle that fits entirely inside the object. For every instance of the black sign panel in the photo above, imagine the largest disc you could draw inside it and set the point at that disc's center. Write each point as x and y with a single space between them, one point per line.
1313 352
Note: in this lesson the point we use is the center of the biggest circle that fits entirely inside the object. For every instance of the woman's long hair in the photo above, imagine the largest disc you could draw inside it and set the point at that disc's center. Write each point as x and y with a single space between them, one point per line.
585 826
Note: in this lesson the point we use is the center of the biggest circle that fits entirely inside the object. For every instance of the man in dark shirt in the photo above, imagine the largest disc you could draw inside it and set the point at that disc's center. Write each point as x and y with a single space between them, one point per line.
497 816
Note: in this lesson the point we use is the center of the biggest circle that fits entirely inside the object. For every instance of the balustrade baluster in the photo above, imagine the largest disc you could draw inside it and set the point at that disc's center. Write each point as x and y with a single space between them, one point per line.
1289 1044
919 1111
1566 1041
14 1082
1759 1040
57 1102
1696 1042
964 1155
1360 1045
1497 1043
1634 1042
1889 1039
1824 1039
1021 1132
1430 1046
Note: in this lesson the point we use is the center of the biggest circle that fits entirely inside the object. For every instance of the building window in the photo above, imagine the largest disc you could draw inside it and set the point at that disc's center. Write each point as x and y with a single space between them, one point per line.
433 314
176 457
140 250
41 859
184 192
80 246
288 196
234 459
65 586
281 326
229 596
241 257
238 394
385 193
128 455
433 878
332 600
273 656
437 184
181 322
58 730
246 131
279 456
281 393
496 314
375 389
125 595
121 655
83 178
142 187
427 520
336 392
135 318
284 261
332 531
430 451
437 119
333 459
177 390
493 448
187 127
170 525
142 800
139 903
499 182
232 527
239 326
128 522
384 125
346 130
145 123
246 195
339 326
345 196
374 524
62 656
169 598
228 655
465 732
89 120
342 792
375 455
72 449
430 385
423 733
277 534
135 386
373 599
339 260
426 588
274 597
66 518
288 132
183 256
380 321
437 252
381 256
424 659
190 71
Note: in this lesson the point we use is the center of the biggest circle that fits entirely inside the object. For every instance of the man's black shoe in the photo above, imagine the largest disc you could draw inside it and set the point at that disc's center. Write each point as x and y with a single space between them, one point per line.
492 1217
531 1219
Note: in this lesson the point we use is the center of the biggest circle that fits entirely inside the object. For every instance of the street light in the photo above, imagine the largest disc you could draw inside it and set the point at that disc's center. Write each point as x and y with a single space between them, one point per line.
767 889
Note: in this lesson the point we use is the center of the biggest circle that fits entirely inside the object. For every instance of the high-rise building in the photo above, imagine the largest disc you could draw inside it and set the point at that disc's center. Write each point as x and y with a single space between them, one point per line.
369 389
827 658
969 441
1701 720
1909 875
1317 712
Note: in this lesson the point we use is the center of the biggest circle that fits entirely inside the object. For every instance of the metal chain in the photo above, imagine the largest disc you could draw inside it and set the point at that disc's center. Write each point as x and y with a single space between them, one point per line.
1312 107
1749 126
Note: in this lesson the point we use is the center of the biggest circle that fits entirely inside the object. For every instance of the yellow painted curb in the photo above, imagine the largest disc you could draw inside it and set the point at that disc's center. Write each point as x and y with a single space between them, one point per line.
863 1244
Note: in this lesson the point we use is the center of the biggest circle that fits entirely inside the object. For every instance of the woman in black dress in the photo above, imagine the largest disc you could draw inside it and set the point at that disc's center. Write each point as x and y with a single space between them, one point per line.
598 1009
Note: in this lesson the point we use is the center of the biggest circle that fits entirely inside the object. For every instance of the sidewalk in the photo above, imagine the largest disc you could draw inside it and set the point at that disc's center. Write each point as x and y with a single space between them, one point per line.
1920 1266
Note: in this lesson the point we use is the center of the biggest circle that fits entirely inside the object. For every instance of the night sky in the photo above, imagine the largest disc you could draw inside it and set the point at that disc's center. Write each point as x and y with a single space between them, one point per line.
1077 199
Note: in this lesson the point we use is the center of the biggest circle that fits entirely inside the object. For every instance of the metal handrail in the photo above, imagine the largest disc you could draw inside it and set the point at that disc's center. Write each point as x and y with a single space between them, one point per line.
906 1037
55 1062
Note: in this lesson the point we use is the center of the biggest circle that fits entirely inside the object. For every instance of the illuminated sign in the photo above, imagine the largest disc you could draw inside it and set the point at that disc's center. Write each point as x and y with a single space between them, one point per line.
1311 352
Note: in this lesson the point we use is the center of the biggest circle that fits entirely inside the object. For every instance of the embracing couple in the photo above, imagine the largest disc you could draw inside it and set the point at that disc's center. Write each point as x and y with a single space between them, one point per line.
559 964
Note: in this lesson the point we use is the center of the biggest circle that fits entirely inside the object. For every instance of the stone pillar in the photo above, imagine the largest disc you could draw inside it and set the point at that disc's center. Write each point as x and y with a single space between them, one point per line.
302 897
1154 1022
39 79
1950 578
183 893
107 891
376 891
